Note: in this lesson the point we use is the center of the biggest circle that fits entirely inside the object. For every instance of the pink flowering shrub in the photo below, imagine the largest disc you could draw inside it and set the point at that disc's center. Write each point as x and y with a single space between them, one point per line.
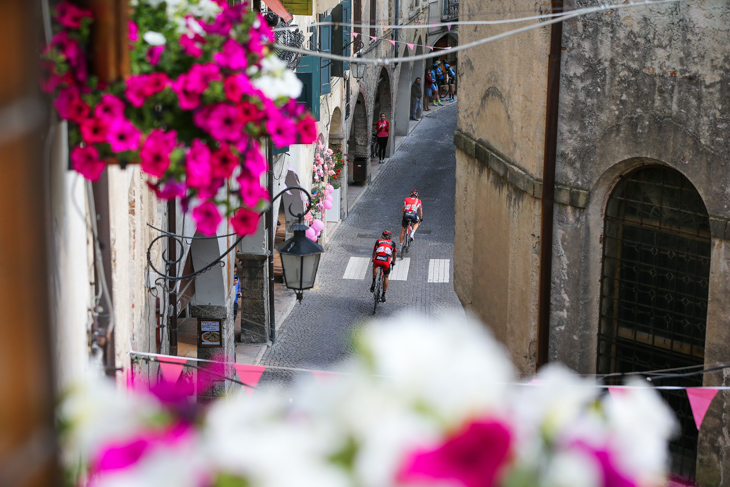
193 110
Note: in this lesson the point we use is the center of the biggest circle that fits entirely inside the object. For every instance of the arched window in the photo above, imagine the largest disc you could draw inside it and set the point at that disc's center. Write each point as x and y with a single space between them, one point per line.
656 269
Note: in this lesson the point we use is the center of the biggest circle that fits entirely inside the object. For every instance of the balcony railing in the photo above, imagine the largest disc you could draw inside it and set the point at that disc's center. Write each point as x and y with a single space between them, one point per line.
450 9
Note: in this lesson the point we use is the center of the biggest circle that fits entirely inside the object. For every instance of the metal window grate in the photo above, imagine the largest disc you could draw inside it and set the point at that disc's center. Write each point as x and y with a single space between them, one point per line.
656 269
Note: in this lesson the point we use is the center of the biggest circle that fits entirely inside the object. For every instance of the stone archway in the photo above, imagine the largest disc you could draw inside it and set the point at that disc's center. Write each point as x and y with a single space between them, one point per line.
447 40
402 113
358 163
383 104
337 131
419 68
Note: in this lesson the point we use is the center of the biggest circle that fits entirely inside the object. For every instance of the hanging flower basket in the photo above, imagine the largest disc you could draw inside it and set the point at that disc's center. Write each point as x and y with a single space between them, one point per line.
205 90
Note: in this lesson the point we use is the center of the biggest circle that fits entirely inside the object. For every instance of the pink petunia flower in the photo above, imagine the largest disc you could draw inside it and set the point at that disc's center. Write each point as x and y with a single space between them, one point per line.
156 150
205 74
474 457
207 218
70 106
245 222
307 129
70 16
123 135
94 129
197 165
168 190
136 91
250 189
232 56
154 53
192 45
133 31
250 111
283 132
85 161
225 123
224 162
232 89
156 82
254 161
109 108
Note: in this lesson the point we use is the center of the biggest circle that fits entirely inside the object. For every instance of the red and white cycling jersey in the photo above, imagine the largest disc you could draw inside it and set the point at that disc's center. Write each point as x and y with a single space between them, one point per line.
411 204
384 250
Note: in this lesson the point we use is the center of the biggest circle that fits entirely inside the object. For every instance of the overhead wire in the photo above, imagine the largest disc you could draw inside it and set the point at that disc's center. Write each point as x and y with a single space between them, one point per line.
388 60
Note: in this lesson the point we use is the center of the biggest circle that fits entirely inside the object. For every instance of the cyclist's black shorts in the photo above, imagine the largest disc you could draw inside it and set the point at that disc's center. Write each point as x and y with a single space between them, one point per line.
409 217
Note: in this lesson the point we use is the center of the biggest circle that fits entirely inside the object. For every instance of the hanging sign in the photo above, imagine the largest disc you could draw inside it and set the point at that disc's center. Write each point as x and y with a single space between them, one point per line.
210 333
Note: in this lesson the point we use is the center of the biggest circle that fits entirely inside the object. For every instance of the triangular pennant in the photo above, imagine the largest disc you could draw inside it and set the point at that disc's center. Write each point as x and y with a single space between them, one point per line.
699 400
355 34
448 26
448 47
171 371
410 45
430 47
391 41
616 391
250 375
373 38
322 377
536 382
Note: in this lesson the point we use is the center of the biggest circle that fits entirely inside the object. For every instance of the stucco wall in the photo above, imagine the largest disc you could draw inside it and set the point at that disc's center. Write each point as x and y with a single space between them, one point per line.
496 256
496 250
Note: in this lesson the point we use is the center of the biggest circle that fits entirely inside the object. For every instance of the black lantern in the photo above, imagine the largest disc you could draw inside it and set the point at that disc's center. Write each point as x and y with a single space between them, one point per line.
300 260
358 69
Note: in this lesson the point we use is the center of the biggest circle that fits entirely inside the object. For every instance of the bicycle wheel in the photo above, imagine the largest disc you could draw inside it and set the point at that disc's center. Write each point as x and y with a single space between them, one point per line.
378 284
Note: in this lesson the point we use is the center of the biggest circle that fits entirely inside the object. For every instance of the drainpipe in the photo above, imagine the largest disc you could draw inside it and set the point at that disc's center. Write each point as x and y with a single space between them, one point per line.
395 32
271 234
548 187
172 255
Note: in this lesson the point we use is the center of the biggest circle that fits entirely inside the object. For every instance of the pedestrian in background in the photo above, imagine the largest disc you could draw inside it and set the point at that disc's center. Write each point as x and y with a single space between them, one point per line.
435 87
427 91
383 132
451 80
237 286
416 98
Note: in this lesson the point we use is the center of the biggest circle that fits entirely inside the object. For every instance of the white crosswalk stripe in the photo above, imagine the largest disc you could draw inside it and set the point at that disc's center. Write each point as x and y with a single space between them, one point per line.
438 270
356 268
400 271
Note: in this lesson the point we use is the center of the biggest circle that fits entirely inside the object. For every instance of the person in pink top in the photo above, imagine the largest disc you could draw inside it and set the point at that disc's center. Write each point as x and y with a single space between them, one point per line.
383 132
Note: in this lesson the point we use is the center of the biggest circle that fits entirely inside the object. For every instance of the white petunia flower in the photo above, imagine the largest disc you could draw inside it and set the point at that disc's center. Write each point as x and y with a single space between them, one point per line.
154 38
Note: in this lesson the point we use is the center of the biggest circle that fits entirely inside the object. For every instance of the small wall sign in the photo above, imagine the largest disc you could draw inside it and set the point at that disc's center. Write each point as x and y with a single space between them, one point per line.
210 333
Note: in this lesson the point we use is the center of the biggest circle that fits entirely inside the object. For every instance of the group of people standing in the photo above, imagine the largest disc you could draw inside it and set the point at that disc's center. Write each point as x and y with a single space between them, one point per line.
440 84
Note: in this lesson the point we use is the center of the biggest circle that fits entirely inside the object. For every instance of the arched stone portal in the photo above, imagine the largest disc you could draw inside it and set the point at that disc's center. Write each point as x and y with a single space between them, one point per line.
447 40
655 283
337 132
358 164
384 104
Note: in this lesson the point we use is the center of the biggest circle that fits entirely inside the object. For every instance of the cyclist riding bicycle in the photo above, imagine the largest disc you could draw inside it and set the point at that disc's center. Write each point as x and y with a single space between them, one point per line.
383 256
412 213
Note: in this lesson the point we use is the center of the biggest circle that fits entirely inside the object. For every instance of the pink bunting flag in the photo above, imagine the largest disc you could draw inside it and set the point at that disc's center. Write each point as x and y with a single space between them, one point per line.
355 34
410 45
171 371
373 38
322 377
250 375
616 391
448 26
391 41
430 47
699 400
448 47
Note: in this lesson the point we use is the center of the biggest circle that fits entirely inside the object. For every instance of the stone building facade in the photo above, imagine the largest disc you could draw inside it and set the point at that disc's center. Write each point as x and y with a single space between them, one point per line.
639 251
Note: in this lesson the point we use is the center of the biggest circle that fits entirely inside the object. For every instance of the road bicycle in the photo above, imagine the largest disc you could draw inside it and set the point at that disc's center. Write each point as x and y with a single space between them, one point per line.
407 243
378 288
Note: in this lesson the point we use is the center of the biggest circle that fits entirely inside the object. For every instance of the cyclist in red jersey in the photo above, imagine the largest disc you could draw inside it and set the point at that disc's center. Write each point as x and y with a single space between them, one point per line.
412 212
383 256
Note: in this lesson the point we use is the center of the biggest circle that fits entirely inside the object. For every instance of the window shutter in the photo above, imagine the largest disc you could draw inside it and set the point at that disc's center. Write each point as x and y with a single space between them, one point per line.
338 40
298 7
325 45
346 33
308 73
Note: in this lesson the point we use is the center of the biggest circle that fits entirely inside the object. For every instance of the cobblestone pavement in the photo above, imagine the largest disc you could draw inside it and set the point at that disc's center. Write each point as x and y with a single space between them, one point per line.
316 335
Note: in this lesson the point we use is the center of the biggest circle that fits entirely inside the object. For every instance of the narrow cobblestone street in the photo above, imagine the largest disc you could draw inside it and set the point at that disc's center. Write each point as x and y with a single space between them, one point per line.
317 333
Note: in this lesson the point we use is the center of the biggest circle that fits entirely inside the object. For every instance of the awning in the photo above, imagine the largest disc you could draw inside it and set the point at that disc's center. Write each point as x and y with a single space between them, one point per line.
278 8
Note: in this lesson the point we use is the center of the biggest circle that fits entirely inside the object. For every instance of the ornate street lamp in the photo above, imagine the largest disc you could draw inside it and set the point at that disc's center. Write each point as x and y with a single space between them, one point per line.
358 69
300 260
